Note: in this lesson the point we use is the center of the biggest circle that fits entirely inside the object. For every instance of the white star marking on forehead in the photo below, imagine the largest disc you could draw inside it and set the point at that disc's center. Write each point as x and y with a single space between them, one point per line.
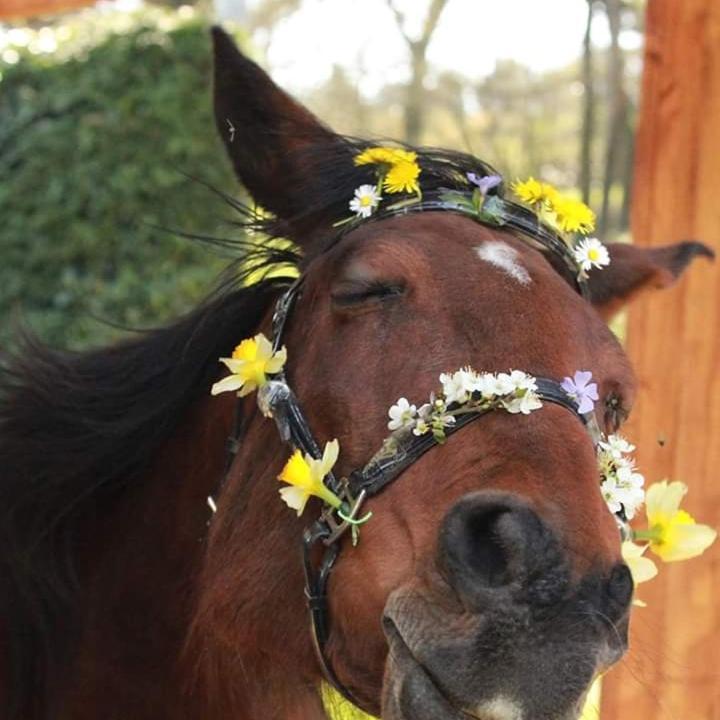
504 257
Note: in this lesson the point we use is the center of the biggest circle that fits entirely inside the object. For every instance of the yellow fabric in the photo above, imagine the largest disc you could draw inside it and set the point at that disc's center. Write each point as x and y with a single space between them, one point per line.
337 708
591 711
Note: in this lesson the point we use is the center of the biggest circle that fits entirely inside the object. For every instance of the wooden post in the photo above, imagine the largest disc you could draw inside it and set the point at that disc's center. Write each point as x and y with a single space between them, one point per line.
673 669
24 9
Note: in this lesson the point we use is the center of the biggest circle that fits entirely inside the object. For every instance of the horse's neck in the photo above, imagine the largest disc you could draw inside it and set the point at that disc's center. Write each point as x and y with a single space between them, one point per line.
148 565
252 624
141 562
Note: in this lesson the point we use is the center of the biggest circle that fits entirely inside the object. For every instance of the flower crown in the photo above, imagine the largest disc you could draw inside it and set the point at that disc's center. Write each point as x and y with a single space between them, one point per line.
398 171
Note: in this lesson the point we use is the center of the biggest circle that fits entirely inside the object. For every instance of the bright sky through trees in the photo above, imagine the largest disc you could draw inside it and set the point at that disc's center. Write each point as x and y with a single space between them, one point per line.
472 35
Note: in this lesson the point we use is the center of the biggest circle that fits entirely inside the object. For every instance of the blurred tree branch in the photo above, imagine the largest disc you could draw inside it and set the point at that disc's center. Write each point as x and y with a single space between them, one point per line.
418 65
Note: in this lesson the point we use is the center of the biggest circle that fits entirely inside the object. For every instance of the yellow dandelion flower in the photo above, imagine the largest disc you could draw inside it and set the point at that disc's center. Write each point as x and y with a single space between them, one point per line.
531 191
673 533
252 360
305 477
403 177
384 155
572 215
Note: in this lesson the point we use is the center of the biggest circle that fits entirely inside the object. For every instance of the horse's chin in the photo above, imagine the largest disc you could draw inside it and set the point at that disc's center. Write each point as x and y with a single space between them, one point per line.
410 693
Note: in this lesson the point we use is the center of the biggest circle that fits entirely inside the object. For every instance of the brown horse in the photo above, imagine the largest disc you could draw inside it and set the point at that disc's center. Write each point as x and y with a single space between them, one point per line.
488 582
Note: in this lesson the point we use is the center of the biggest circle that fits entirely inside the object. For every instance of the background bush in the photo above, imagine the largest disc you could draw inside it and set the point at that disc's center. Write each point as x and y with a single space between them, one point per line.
93 148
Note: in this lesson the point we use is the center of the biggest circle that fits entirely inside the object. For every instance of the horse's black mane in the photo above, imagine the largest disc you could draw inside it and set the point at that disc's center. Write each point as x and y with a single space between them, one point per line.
76 428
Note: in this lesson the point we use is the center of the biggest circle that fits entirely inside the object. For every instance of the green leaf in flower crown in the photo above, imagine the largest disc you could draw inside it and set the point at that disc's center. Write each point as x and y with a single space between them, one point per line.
459 200
491 211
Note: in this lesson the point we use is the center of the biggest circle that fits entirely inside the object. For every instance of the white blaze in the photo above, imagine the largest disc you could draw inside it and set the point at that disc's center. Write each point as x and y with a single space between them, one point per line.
504 257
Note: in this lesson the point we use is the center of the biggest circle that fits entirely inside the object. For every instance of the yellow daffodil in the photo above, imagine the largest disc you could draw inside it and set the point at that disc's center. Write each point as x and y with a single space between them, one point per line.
385 155
672 533
252 360
402 177
305 477
642 569
572 215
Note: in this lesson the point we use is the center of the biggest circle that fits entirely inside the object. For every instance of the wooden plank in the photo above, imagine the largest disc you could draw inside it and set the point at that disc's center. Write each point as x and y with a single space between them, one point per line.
673 669
24 9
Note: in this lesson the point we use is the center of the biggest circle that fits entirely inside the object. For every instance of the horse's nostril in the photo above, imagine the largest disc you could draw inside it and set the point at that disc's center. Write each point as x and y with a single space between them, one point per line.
481 549
620 585
487 541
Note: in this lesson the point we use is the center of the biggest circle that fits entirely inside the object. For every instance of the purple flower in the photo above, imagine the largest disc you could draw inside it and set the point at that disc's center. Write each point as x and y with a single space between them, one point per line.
581 390
485 183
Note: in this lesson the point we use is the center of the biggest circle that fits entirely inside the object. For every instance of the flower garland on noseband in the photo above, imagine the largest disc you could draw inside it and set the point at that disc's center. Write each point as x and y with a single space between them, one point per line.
547 219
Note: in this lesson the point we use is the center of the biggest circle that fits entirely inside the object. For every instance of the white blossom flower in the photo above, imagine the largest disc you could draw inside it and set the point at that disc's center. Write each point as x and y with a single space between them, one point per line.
485 384
401 415
525 403
365 201
622 485
421 427
519 390
610 493
616 446
504 384
458 386
590 253
632 499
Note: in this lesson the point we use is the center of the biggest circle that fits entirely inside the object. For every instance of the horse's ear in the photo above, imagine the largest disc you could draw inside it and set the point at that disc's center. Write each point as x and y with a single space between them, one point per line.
270 138
634 269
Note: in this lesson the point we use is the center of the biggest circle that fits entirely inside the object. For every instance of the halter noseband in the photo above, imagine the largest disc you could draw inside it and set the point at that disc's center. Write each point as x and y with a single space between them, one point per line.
276 399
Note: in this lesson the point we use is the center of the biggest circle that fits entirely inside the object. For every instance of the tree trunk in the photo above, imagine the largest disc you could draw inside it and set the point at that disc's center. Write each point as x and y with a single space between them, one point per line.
674 341
617 111
588 126
415 96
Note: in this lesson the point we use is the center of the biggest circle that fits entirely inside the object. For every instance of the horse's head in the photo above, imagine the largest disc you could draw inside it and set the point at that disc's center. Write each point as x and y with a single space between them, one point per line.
489 581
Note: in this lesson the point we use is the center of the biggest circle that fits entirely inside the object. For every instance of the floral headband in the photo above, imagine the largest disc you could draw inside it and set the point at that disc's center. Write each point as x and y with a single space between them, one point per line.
398 171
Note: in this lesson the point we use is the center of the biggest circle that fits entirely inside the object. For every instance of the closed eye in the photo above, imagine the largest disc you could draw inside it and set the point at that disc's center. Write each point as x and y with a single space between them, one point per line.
358 293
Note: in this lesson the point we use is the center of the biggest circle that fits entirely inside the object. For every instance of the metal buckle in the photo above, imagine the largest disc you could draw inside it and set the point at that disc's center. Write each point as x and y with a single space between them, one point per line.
336 524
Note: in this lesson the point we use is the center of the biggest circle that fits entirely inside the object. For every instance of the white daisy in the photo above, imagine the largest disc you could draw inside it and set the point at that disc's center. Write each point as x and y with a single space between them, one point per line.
365 201
590 253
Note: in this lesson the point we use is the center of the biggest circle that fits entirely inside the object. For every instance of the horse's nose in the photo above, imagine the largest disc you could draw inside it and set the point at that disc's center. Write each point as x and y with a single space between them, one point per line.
492 543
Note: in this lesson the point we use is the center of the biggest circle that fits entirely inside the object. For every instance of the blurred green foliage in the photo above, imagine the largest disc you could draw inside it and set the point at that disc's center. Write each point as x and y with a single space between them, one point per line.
94 152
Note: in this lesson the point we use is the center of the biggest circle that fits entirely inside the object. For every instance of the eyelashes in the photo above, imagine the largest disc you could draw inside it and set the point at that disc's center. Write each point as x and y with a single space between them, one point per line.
361 293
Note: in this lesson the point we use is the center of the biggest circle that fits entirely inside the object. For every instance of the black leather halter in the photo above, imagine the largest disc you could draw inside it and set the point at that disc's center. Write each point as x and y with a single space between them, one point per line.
277 400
